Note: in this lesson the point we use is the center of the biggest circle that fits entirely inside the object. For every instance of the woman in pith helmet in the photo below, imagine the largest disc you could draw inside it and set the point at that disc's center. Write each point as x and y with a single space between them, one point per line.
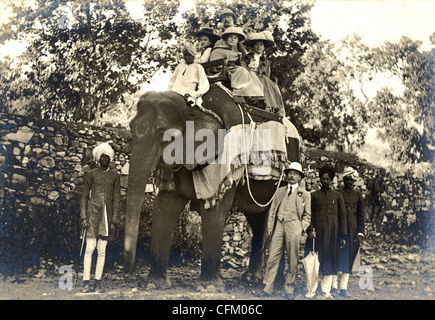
243 82
257 62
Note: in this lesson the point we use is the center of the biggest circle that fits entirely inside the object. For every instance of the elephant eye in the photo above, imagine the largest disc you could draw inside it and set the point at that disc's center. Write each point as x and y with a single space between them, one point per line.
141 129
160 130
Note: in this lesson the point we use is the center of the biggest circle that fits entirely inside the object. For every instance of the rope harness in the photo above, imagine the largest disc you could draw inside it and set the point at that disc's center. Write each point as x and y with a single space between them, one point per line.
252 126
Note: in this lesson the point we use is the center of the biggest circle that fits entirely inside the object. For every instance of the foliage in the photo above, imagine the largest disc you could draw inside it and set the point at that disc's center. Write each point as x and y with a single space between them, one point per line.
324 108
289 22
84 57
331 105
87 58
408 119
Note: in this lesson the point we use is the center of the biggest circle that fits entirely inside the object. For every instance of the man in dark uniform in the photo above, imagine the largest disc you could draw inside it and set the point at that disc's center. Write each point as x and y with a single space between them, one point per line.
328 226
354 204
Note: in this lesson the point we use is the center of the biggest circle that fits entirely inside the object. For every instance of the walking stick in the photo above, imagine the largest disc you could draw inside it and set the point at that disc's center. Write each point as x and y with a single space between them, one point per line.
83 240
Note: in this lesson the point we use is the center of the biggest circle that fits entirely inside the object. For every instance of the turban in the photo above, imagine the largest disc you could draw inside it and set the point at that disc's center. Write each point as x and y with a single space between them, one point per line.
101 149
189 48
349 171
329 170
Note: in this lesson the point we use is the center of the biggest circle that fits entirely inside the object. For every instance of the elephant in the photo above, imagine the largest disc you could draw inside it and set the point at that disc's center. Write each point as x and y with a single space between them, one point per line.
156 113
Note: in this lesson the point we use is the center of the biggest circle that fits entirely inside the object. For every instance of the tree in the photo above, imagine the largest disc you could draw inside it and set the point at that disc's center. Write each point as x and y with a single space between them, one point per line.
331 106
408 118
82 57
289 22
324 107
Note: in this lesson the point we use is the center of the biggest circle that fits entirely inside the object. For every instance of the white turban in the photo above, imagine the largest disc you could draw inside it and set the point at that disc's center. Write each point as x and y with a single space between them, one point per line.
349 171
189 48
101 149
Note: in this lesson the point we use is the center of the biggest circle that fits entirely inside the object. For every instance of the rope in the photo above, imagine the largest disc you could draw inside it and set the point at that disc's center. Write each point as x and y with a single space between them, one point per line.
228 91
220 85
246 164
213 114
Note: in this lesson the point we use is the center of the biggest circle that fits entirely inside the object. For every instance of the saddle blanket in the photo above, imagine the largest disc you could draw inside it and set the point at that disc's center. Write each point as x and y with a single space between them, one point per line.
260 147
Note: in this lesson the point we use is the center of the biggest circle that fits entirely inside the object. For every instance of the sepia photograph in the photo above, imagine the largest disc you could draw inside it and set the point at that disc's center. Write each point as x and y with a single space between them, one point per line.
217 157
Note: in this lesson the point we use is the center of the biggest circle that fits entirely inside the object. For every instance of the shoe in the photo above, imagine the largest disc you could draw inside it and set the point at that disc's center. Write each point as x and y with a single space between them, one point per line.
310 295
263 294
289 290
256 102
344 294
325 296
239 99
86 287
97 287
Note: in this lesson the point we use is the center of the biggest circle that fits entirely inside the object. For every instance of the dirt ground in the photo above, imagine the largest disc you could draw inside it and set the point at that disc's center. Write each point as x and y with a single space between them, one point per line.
392 273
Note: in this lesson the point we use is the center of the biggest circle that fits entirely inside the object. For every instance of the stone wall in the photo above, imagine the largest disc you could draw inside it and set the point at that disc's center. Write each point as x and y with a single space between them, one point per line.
42 166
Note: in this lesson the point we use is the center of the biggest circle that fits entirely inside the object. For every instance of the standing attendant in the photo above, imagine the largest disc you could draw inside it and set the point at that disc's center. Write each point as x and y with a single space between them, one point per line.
99 212
289 217
354 204
328 227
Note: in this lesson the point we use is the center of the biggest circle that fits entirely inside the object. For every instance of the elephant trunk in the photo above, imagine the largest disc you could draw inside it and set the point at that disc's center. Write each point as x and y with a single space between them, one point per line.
140 170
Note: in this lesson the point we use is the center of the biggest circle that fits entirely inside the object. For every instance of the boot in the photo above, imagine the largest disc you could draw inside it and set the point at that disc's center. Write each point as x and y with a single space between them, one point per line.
86 287
98 287
344 294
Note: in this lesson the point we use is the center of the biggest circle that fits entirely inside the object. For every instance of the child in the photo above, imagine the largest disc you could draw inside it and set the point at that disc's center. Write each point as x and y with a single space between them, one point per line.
189 78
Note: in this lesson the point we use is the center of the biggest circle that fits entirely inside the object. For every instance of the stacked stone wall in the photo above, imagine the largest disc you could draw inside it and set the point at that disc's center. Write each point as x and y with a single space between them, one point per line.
43 163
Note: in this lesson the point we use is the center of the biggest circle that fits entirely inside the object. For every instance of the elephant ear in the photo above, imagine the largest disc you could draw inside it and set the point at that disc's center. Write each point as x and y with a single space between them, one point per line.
201 134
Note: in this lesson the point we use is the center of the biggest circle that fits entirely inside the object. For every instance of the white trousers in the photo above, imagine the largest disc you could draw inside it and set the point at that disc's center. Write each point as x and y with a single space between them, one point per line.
326 283
91 243
343 281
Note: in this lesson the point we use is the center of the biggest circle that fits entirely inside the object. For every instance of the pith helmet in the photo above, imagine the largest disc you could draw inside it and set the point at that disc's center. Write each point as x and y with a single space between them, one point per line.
234 30
294 166
267 39
227 12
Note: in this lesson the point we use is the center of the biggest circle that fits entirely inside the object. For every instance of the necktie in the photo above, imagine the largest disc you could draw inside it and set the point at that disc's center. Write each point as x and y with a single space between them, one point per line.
290 191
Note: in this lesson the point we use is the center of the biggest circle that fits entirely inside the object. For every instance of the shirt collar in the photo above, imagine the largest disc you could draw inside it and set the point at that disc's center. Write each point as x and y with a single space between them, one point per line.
293 186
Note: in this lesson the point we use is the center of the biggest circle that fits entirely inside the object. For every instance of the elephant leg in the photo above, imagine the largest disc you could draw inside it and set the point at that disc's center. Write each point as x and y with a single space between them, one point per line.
257 221
213 223
167 208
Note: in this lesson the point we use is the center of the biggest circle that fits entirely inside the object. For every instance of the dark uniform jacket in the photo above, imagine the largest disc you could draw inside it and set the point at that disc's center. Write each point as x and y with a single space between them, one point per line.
100 201
354 204
328 217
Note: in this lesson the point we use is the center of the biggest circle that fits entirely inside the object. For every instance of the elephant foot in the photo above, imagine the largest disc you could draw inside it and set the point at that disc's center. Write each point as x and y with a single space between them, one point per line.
211 286
158 283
